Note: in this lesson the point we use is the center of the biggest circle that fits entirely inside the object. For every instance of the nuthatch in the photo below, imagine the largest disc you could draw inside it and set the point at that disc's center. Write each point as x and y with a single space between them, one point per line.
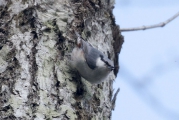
92 64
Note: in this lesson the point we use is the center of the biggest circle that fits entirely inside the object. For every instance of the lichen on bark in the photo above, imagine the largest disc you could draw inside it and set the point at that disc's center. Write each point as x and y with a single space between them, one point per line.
36 39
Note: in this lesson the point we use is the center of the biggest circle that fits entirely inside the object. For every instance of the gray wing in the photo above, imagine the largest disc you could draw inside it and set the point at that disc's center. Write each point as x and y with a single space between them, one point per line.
91 54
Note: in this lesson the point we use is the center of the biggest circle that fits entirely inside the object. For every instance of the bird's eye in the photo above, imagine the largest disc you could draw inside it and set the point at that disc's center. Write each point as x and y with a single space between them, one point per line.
101 56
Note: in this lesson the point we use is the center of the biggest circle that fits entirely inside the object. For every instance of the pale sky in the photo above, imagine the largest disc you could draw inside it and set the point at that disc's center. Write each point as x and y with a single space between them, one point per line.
149 62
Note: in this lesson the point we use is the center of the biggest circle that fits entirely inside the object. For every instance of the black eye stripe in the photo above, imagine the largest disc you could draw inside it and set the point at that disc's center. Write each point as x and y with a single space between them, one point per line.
102 58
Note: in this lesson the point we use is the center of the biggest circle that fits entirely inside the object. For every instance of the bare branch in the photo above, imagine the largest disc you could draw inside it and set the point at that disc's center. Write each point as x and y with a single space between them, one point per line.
150 26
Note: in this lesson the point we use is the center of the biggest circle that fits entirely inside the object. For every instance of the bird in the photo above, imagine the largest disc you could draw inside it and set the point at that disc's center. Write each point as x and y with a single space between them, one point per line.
92 64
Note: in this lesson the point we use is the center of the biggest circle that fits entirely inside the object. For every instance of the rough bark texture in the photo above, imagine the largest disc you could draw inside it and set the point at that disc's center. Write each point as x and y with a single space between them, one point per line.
36 38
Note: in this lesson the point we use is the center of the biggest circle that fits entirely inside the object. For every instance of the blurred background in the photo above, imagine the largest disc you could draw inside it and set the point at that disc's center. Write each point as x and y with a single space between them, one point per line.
149 61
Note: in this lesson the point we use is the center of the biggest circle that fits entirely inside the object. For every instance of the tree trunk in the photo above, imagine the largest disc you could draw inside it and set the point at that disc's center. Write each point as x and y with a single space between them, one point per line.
36 39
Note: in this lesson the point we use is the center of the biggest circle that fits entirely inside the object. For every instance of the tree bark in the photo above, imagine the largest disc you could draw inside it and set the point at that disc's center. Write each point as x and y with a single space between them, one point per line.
36 39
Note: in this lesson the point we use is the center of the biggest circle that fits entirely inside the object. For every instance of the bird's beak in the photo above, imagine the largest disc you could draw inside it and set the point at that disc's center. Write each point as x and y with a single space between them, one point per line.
111 68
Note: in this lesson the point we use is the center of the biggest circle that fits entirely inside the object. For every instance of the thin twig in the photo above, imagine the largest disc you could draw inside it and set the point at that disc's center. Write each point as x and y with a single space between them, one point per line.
150 26
114 99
